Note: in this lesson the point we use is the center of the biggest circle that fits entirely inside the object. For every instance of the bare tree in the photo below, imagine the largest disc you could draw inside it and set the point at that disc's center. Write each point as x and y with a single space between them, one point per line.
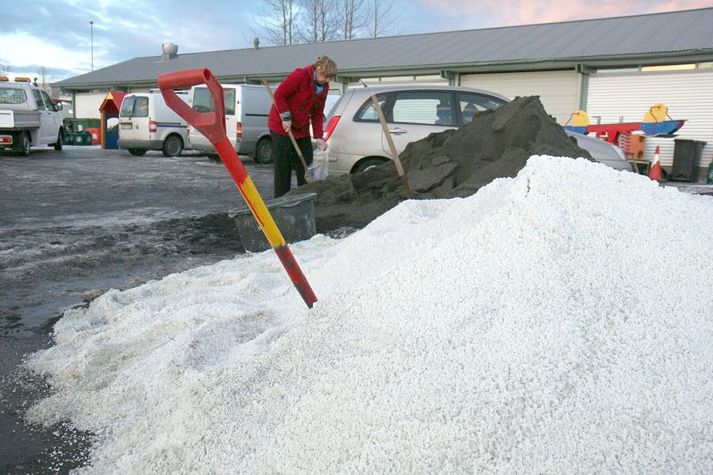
42 71
277 21
353 17
4 69
321 20
381 17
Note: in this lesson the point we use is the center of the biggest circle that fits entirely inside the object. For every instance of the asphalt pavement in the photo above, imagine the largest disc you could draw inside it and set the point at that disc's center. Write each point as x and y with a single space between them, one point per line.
76 223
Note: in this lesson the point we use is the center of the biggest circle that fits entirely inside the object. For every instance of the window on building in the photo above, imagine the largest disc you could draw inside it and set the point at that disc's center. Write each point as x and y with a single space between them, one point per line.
668 67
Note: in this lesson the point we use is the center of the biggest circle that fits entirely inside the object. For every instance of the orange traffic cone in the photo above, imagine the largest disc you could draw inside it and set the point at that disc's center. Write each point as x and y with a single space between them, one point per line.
655 170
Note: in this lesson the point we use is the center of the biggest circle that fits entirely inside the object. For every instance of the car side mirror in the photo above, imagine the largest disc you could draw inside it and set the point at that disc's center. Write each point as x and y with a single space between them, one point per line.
58 106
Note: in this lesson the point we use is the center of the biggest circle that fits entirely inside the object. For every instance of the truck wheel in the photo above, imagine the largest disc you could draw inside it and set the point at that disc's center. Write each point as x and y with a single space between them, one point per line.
60 139
263 150
24 144
137 151
172 146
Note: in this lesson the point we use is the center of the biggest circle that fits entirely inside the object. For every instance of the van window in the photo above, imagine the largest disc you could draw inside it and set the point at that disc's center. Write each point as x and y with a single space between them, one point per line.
127 107
12 95
203 103
141 107
135 106
424 107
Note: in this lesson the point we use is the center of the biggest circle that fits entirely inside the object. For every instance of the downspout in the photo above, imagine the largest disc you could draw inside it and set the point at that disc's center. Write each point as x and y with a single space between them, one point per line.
584 72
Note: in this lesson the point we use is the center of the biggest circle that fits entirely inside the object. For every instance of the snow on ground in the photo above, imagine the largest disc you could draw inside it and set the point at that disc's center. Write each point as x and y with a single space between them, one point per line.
560 321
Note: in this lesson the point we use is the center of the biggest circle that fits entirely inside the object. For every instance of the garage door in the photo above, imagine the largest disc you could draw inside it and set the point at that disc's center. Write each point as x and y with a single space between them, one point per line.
688 95
558 90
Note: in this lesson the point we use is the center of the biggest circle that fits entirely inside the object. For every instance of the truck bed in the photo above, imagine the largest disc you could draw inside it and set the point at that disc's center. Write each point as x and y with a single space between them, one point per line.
19 119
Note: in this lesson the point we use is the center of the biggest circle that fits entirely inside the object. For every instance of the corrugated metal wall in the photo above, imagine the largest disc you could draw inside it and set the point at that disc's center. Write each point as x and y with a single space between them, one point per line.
558 90
688 95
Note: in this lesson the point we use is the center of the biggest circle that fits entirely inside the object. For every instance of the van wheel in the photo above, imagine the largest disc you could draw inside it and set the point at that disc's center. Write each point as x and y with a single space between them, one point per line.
60 139
137 151
24 144
263 150
364 165
172 146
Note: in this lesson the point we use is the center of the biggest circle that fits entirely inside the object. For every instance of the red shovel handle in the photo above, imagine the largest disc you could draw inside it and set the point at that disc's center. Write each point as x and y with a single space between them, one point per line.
210 124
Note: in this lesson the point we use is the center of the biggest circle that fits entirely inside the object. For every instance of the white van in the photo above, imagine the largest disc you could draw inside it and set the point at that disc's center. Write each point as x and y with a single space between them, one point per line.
147 123
246 109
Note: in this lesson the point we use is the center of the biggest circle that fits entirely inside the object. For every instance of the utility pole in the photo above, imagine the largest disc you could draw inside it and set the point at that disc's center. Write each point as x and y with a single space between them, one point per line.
91 28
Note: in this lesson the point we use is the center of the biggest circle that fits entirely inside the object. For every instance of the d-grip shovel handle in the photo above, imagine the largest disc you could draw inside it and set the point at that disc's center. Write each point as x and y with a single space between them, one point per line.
210 124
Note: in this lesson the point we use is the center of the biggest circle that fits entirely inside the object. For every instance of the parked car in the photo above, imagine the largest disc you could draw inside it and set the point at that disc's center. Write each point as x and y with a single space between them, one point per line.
246 110
356 142
147 123
28 117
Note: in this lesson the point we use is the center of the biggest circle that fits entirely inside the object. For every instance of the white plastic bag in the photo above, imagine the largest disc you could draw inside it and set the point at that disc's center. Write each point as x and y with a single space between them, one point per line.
320 164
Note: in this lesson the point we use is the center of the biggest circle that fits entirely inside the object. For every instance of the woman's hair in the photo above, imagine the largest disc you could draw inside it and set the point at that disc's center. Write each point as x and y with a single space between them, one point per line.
327 65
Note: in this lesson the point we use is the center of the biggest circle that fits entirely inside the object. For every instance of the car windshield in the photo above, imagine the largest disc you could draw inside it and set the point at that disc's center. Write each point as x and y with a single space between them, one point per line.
12 95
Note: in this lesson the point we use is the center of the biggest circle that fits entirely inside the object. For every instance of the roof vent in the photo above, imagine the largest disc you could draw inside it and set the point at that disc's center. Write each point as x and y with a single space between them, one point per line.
256 42
169 51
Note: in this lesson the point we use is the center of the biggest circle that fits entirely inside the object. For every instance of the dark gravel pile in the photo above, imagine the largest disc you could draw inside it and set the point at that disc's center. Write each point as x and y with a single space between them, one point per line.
454 163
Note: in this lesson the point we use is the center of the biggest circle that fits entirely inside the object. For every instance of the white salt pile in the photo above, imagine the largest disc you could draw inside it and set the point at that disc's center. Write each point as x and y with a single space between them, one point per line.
560 321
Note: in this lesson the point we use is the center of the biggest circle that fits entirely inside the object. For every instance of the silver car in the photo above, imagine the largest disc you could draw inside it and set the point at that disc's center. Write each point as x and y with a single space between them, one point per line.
356 142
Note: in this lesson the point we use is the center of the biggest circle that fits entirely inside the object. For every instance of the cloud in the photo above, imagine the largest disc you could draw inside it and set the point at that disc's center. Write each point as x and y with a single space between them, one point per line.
478 13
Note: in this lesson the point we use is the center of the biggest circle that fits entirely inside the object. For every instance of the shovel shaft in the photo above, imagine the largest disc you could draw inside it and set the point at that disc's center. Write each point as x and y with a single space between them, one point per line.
212 126
264 219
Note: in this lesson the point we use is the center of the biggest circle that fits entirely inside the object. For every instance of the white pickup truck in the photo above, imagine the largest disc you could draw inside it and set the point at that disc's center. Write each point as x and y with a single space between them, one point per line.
28 117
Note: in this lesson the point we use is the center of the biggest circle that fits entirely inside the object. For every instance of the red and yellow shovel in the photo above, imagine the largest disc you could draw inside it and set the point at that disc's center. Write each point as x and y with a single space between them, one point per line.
212 125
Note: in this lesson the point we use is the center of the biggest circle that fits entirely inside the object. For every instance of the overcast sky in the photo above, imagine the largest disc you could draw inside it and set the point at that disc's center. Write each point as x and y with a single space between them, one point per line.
57 34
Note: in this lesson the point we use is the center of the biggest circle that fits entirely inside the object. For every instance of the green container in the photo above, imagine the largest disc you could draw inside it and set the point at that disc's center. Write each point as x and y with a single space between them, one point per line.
82 138
710 174
67 138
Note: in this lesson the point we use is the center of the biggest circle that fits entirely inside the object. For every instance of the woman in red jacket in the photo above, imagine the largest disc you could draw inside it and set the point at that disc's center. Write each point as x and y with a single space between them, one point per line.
299 99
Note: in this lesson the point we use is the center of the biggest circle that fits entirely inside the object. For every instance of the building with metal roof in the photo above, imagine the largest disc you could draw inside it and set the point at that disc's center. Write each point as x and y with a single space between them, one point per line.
684 36
614 68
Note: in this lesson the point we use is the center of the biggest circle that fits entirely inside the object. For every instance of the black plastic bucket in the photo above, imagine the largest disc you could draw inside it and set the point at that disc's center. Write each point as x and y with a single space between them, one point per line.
294 216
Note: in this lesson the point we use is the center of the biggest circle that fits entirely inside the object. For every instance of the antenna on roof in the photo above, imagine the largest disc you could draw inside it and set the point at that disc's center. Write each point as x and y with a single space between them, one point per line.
362 81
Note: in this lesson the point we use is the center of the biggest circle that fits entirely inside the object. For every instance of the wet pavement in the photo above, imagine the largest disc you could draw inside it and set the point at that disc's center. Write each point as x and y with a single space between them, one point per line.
76 223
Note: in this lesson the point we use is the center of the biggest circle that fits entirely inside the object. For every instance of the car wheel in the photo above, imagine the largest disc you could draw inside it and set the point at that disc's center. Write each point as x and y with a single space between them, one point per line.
137 151
263 151
172 146
24 145
60 139
364 165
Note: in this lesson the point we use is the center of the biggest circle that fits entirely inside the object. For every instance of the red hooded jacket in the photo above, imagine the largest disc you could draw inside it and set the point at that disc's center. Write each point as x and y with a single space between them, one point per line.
296 94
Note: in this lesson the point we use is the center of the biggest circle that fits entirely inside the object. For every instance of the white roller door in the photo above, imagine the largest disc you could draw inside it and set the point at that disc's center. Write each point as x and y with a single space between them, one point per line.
87 104
688 95
558 90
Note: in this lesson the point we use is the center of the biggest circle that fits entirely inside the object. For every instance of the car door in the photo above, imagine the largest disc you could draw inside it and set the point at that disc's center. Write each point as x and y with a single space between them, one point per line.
45 119
54 117
415 114
134 118
126 124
